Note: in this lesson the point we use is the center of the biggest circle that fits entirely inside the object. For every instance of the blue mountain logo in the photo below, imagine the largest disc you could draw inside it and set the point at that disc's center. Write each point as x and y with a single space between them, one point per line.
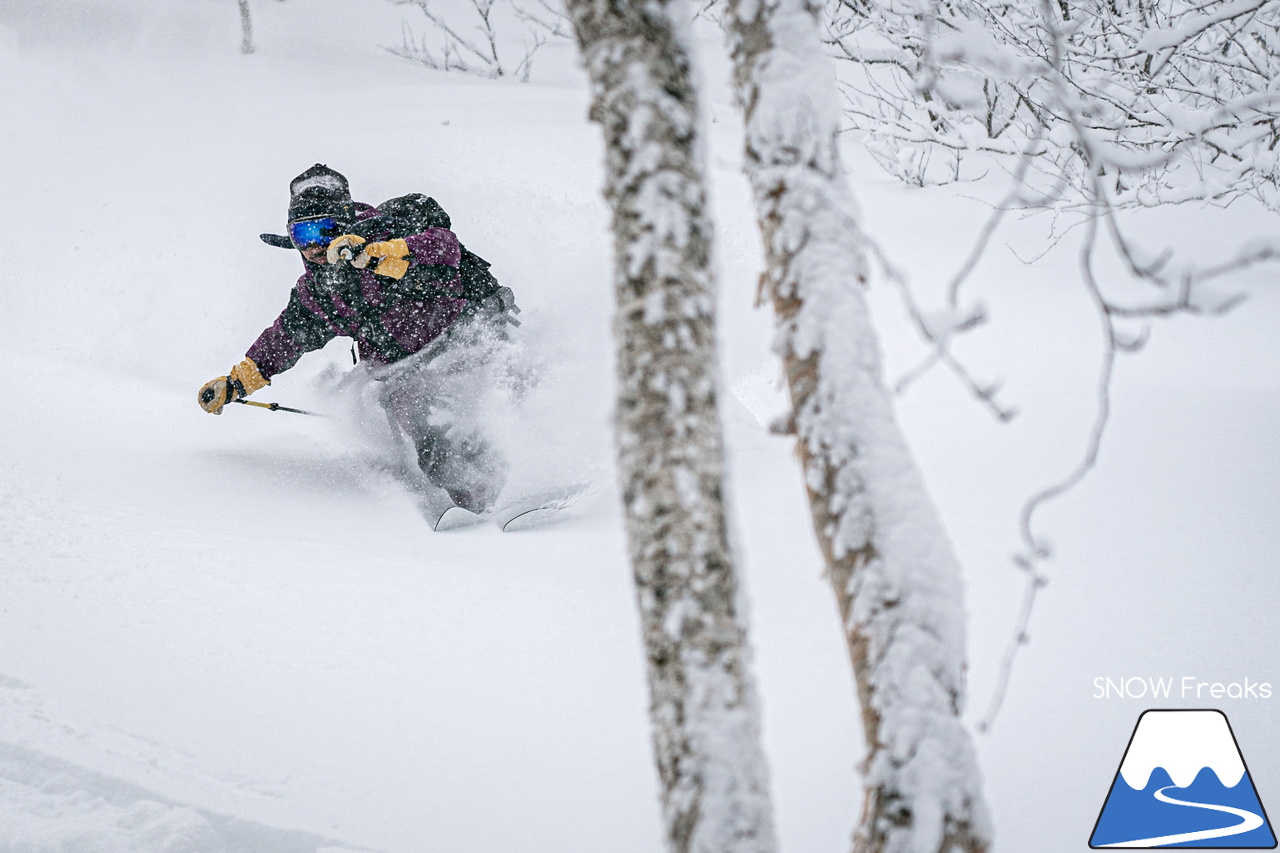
1183 783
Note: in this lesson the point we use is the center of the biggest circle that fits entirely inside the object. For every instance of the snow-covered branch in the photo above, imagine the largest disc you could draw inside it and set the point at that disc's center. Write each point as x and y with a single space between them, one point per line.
1171 99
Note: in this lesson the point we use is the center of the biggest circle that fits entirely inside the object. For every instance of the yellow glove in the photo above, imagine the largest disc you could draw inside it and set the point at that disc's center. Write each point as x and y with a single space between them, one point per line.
393 257
243 380
344 249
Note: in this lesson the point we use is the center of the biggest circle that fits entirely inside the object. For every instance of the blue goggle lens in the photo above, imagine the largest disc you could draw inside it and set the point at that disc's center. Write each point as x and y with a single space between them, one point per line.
313 232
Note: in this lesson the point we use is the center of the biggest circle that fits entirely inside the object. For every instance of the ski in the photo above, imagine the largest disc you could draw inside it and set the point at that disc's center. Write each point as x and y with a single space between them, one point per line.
536 508
522 512
455 517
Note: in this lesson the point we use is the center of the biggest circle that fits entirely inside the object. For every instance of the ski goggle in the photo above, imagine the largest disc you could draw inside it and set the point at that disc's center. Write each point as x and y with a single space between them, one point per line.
313 232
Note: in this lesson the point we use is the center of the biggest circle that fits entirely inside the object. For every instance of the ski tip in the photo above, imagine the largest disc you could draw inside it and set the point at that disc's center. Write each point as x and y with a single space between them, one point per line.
539 508
531 518
454 518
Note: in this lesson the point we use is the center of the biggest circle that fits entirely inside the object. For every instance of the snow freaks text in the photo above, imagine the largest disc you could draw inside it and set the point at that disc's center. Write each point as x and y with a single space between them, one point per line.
1185 687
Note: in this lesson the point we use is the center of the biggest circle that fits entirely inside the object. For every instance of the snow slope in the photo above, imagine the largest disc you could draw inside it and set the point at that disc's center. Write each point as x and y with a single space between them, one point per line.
235 633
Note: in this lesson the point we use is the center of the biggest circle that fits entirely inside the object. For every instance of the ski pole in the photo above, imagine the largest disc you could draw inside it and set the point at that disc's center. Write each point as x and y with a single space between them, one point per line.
276 407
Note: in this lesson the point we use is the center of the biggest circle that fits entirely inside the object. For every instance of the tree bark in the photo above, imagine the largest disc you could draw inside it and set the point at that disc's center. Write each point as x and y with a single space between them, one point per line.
670 459
896 581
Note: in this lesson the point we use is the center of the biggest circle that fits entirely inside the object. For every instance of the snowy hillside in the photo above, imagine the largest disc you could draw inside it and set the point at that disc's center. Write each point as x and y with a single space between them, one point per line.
236 633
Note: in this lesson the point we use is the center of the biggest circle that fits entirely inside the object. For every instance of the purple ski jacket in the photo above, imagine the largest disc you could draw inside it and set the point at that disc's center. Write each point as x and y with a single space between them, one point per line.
389 319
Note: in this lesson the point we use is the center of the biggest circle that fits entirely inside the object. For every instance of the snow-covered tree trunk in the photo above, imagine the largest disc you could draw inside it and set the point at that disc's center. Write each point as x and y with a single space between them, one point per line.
670 458
896 580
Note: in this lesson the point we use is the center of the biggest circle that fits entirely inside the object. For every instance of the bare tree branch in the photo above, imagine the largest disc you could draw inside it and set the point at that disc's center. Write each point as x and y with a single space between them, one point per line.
246 28
483 33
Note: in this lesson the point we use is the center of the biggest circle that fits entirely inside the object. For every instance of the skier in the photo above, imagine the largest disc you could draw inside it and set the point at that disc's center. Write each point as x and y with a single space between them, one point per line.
425 315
